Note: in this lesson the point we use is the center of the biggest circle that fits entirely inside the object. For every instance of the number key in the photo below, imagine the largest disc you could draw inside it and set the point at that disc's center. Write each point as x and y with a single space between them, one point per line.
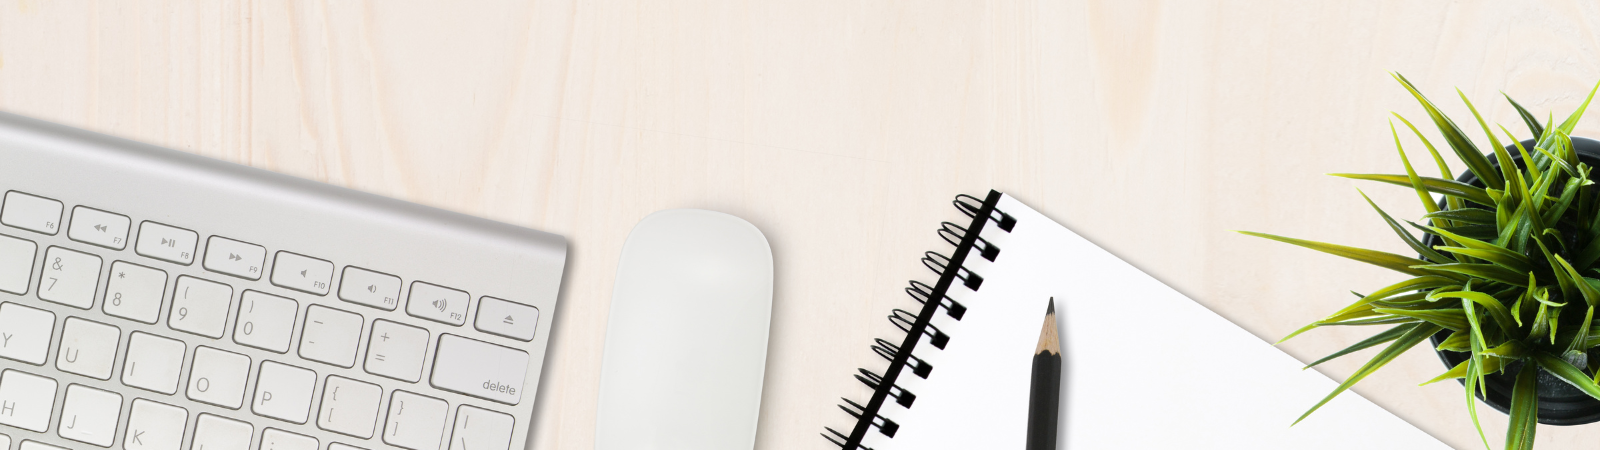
266 321
200 307
134 292
70 277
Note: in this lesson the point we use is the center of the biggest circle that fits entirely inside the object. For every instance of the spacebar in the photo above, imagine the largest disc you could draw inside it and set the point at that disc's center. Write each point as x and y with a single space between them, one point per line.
479 369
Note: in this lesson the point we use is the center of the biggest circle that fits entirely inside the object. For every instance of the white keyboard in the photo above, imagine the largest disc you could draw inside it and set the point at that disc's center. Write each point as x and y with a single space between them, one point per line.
156 300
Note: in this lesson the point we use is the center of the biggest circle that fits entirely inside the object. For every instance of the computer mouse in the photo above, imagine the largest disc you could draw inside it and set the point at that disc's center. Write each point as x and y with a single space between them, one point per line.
686 341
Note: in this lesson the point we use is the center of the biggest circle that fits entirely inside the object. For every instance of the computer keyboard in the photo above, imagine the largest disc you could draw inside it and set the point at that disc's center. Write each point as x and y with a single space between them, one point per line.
156 300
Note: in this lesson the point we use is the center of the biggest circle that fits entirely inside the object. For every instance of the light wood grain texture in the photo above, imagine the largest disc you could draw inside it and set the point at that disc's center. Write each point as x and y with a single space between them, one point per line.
841 129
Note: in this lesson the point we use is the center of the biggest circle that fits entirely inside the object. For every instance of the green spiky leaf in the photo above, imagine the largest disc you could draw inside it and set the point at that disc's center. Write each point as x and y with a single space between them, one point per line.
1402 264
1450 188
1380 338
1527 118
1524 410
1407 340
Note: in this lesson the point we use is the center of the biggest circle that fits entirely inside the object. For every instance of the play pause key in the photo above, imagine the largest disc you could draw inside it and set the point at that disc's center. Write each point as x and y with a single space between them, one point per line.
507 319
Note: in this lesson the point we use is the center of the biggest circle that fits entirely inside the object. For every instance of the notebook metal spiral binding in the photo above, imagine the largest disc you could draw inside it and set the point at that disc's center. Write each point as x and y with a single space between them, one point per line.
965 203
890 351
953 233
904 320
938 264
933 299
901 396
921 292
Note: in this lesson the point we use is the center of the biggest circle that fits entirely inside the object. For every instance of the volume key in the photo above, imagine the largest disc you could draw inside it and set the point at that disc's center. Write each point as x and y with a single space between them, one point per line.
302 273
437 303
365 287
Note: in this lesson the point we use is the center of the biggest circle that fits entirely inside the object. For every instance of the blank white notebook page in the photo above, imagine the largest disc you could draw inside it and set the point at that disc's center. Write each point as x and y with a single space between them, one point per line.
1127 341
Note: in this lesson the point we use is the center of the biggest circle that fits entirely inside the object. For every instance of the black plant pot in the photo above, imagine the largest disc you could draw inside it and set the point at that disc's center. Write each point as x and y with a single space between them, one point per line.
1559 403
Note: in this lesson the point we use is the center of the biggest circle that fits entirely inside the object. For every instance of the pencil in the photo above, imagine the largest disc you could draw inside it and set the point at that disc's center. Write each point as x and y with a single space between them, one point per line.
1044 400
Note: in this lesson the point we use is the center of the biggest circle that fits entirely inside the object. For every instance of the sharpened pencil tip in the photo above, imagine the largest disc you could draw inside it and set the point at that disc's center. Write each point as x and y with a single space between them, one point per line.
1049 340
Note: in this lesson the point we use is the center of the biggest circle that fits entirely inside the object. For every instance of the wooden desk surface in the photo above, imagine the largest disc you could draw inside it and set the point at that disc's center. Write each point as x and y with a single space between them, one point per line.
842 129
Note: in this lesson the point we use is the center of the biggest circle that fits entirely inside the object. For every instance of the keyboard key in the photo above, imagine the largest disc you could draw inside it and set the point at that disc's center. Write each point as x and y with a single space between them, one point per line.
396 351
266 321
216 433
166 243
16 264
134 292
70 277
437 303
25 332
154 426
330 336
90 415
34 445
31 212
240 259
302 273
5 441
481 429
26 400
88 348
415 422
512 320
96 227
275 439
479 369
335 446
200 307
153 363
283 392
362 286
349 407
218 377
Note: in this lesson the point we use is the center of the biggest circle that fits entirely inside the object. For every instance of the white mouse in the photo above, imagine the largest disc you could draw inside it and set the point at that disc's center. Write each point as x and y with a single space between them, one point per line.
686 343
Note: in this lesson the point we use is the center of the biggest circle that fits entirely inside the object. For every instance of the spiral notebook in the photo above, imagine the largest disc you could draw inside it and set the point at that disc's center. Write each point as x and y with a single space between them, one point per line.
1143 366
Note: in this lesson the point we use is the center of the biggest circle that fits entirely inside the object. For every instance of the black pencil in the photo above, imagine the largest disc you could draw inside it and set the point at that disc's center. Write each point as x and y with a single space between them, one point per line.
1044 400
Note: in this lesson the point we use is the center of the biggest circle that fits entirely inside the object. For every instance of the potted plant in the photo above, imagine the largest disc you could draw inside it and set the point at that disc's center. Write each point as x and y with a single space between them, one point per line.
1507 274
